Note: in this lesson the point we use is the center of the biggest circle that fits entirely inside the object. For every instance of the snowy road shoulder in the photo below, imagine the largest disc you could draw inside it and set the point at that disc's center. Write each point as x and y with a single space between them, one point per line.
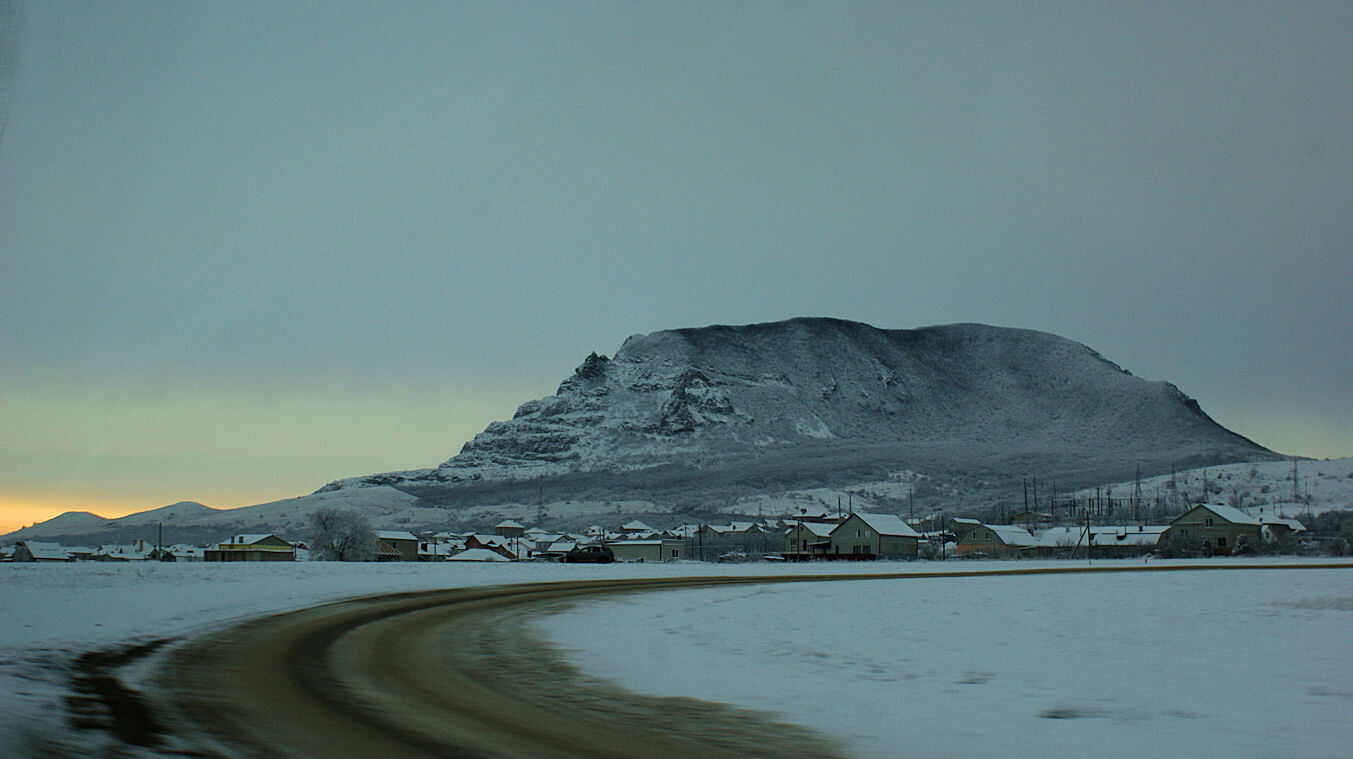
928 637
1205 663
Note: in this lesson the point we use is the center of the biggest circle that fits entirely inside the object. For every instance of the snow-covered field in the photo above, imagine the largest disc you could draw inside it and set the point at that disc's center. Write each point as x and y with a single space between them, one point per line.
51 613
1248 663
1199 664
1264 487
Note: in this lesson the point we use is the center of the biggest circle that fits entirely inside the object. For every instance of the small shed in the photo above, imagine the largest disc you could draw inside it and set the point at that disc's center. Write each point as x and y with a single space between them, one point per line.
652 549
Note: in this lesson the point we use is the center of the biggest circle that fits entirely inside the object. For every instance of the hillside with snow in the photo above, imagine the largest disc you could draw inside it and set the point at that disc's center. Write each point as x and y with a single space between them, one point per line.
756 418
704 397
695 419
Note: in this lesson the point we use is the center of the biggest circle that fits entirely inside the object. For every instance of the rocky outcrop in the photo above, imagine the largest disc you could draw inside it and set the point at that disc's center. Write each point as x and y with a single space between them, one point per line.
724 393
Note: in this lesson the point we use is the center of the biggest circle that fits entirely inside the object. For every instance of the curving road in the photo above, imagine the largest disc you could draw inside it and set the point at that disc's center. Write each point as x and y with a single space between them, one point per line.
449 674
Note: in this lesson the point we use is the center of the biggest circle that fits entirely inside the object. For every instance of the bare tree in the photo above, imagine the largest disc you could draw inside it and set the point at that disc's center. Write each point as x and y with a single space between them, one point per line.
341 535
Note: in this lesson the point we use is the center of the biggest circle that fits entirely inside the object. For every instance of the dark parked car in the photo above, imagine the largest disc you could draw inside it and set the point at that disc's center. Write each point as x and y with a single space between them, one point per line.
589 554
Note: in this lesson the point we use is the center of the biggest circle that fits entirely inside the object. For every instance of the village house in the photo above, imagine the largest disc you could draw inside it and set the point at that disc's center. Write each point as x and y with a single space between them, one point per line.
976 537
556 550
637 529
405 544
479 554
184 552
736 538
807 539
509 528
32 550
439 548
883 536
1215 529
139 550
1106 541
815 512
508 548
253 547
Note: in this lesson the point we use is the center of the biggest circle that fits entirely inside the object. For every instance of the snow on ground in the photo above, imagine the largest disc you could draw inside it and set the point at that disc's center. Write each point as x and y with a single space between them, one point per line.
1198 664
51 613
1208 663
1260 487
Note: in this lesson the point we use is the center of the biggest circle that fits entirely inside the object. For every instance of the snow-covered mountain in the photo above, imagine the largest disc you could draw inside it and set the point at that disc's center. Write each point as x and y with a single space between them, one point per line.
766 417
826 391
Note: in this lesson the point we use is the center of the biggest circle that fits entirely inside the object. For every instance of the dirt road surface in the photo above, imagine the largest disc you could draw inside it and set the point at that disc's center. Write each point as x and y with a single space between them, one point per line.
451 673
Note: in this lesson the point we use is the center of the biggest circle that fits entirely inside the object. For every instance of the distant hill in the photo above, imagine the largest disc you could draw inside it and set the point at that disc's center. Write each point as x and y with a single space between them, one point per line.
715 419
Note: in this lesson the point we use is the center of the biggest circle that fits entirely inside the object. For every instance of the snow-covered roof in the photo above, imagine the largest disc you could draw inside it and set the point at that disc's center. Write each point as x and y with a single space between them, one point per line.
1140 535
1230 513
1011 535
562 546
251 537
478 554
733 527
636 526
510 524
656 542
1101 535
436 549
820 529
887 524
47 551
395 535
1290 524
1059 537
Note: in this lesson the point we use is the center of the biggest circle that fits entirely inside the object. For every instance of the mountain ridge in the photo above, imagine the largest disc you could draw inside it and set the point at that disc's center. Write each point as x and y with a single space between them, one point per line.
693 396
731 419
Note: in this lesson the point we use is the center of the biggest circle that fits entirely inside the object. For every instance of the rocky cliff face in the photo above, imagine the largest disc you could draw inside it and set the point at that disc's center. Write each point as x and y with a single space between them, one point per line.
708 397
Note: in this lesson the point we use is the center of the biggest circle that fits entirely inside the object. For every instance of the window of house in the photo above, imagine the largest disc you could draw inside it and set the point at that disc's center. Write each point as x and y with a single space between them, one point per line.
1221 541
1207 522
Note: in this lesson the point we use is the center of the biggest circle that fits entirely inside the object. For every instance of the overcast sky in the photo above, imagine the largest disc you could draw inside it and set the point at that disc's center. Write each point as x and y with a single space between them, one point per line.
249 248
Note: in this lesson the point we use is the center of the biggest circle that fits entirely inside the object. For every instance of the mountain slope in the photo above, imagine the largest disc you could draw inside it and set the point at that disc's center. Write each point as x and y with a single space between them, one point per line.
715 397
748 419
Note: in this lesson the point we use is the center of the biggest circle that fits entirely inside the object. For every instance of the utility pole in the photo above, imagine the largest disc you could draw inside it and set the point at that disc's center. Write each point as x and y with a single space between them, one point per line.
540 501
1089 538
1136 491
911 505
1035 497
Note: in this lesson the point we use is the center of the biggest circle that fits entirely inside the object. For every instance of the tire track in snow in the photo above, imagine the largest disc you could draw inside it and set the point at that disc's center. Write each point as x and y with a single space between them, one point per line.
449 674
